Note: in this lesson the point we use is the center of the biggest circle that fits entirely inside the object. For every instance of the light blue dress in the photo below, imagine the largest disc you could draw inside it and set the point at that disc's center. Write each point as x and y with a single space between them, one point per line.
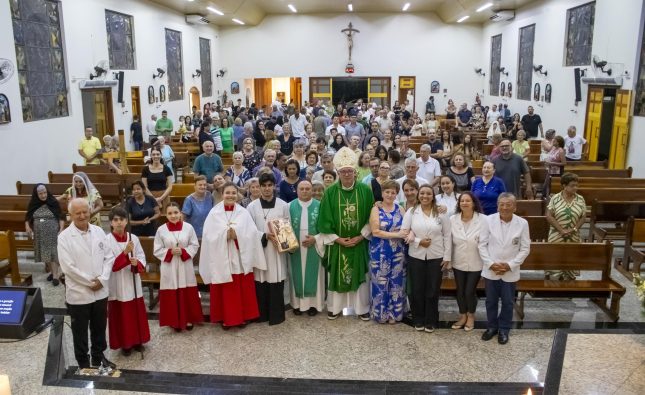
387 270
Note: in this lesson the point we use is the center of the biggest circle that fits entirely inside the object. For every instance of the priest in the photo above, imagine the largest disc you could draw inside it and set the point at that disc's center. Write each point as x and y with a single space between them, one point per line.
344 226
307 276
231 249
269 282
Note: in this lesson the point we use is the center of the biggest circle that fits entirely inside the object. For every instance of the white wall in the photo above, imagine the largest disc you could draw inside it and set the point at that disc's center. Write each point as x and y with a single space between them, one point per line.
306 46
52 144
615 39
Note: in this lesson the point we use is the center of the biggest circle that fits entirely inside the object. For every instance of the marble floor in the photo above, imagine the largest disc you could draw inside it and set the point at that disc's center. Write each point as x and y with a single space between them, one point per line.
309 354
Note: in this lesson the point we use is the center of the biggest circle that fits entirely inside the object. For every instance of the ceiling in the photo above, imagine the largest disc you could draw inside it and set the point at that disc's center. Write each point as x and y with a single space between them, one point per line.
251 12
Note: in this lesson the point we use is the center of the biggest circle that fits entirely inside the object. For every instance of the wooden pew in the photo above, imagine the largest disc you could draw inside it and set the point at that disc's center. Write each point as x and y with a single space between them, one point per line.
614 213
151 278
97 178
570 164
609 173
538 227
609 194
10 268
135 166
634 255
110 192
594 257
530 208
600 183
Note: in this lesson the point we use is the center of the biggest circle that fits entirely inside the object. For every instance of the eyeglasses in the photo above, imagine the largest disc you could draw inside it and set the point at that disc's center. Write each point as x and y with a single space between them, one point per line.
384 168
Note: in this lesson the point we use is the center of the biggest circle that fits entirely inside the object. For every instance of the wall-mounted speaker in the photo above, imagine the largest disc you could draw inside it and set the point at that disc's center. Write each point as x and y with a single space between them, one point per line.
576 76
121 79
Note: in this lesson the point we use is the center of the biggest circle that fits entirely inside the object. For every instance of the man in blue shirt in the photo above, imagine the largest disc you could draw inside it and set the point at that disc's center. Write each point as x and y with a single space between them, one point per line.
208 164
464 115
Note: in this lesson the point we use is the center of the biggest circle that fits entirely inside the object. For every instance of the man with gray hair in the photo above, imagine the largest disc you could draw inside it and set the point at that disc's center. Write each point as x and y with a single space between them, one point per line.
246 133
270 162
411 168
86 261
503 245
429 167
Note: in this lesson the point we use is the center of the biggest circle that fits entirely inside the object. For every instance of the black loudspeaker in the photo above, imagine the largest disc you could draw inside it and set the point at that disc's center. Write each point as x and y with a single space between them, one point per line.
120 96
33 314
576 76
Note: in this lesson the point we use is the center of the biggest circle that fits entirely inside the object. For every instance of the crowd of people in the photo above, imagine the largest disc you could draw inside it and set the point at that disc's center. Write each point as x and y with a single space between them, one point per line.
377 225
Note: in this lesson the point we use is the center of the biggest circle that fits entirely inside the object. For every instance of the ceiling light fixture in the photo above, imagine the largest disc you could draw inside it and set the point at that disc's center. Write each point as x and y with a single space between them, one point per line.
484 7
406 6
292 8
350 7
237 21
463 18
215 10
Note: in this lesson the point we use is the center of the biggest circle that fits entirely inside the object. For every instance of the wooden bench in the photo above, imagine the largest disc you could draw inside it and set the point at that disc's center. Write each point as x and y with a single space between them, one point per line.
110 192
152 277
530 208
9 261
608 173
634 255
99 178
538 227
600 183
614 213
580 164
134 166
612 194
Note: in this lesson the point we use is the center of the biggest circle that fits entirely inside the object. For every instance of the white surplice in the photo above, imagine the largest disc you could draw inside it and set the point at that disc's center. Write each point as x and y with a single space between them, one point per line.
219 258
121 288
276 263
176 273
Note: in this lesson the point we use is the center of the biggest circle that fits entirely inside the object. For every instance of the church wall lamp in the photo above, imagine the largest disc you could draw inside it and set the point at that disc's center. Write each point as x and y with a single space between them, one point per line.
479 71
540 69
159 74
502 70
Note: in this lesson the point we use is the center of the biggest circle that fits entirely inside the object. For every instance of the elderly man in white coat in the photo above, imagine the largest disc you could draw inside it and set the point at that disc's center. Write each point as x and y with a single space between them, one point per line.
86 261
503 247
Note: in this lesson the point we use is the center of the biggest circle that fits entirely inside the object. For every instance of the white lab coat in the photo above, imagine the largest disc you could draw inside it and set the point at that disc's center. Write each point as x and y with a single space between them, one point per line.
499 243
465 242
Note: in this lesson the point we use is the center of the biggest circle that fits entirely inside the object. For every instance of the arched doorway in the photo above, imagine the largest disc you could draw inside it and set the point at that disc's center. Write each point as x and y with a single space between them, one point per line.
194 97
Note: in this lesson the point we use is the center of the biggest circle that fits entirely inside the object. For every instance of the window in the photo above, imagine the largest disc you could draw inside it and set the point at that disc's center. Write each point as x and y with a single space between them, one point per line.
120 39
495 63
205 66
320 89
39 58
525 63
639 107
175 65
579 34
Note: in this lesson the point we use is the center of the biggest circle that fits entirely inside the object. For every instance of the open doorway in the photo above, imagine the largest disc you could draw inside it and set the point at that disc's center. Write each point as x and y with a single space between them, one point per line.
407 86
348 90
97 111
136 101
282 89
194 98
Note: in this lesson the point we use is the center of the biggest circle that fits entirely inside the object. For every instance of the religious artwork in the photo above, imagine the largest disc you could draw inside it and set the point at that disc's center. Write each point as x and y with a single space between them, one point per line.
349 32
502 89
120 40
281 96
5 111
40 61
495 63
509 89
547 93
235 88
151 94
525 63
639 94
435 87
536 92
162 93
579 36
174 62
287 240
205 66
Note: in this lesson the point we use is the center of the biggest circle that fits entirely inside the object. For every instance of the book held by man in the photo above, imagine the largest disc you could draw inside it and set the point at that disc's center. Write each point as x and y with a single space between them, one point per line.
281 227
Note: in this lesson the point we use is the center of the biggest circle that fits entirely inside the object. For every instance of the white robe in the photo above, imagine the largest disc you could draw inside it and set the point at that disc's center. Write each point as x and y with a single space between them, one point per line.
176 273
219 259
121 288
308 302
276 263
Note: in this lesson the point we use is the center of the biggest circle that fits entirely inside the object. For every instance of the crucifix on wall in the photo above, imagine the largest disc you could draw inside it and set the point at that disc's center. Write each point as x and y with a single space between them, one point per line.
349 32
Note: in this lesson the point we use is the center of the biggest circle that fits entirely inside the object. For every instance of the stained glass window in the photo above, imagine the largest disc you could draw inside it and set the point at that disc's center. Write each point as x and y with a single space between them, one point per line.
495 62
175 65
580 22
205 66
120 30
525 63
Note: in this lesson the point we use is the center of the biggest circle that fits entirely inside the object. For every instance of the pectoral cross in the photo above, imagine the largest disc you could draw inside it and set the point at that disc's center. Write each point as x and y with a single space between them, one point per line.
349 32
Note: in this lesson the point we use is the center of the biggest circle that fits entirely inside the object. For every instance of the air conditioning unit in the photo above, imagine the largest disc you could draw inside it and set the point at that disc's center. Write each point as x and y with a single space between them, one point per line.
196 19
603 81
502 15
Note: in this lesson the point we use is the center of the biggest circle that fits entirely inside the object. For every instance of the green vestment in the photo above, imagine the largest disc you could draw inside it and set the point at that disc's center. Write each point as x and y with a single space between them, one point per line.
312 258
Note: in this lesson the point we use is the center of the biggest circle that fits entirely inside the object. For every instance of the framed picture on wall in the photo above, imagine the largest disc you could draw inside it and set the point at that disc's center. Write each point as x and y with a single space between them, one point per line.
151 94
547 93
162 93
502 88
536 91
509 89
5 110
235 88
435 87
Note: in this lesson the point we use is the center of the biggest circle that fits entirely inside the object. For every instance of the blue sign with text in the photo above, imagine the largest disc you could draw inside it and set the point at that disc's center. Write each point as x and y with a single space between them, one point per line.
12 303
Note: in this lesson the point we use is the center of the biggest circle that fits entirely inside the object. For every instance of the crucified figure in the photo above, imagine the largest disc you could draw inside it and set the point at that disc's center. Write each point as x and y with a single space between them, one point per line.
349 32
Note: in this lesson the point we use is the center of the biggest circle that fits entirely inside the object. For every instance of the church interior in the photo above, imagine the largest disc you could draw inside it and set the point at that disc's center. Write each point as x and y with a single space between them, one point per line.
66 65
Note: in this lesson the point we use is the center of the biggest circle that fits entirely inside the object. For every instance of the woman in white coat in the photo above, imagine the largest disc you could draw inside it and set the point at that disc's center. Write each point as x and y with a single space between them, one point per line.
175 246
465 227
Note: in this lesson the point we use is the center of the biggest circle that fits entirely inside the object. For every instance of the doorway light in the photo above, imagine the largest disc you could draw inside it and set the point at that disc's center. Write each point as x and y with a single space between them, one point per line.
484 7
239 22
215 10
292 8
463 18
406 6
350 7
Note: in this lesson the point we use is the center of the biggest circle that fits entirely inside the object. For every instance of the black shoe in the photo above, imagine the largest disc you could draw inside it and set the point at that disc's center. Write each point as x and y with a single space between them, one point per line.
502 338
489 334
139 348
364 317
50 277
177 330
96 362
297 312
312 312
332 316
126 352
55 282
84 364
189 327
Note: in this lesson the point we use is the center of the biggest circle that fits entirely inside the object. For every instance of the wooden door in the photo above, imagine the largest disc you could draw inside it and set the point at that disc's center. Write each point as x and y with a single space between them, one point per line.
295 90
103 112
592 125
320 89
378 90
407 90
194 98
262 88
136 101
620 130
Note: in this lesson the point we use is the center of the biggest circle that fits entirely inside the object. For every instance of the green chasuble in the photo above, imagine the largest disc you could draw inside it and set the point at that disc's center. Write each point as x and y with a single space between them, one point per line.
313 260
344 213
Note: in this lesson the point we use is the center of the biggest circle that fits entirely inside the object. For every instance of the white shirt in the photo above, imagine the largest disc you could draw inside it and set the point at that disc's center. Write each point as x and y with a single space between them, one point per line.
341 130
429 169
465 242
573 147
401 196
436 229
149 130
507 242
492 116
383 123
449 201
298 125
84 256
